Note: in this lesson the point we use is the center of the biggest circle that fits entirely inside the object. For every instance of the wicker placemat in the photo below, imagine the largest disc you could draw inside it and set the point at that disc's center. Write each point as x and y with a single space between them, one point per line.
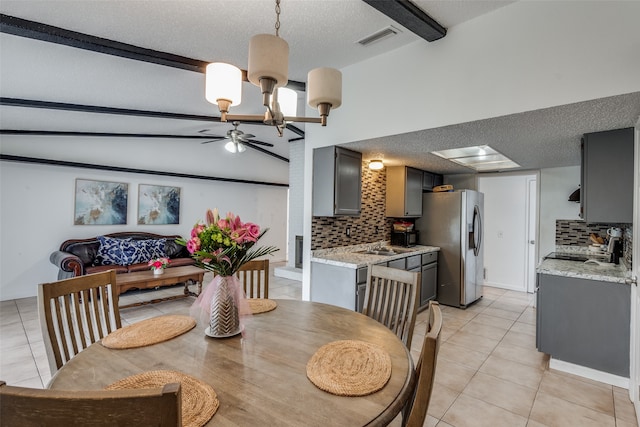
199 400
349 368
149 331
261 305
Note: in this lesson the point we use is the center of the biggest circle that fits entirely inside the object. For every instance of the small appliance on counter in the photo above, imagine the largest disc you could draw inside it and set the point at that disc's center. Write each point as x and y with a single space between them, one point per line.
403 234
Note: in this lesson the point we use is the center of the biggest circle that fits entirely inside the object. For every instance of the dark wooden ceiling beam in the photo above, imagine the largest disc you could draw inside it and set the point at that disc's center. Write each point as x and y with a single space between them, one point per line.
411 17
48 33
50 105
11 158
132 135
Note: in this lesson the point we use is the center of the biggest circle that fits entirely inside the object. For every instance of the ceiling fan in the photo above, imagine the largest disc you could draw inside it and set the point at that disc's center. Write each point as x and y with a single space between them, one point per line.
237 139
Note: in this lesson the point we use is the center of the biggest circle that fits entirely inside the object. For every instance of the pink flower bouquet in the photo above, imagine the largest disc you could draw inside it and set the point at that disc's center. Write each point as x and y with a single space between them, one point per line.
222 245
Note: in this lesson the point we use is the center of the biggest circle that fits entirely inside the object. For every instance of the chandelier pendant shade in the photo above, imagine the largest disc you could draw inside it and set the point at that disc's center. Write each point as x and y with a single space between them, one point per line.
268 59
268 67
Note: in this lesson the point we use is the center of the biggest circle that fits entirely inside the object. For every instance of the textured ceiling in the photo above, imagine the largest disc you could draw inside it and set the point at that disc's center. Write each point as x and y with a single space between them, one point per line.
543 138
320 33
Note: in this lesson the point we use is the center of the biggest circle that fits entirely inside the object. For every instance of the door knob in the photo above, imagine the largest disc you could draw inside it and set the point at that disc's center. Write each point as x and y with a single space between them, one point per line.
533 242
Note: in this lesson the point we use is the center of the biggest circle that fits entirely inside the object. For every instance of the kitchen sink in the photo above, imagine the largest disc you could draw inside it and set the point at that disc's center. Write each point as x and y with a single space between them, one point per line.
375 252
384 251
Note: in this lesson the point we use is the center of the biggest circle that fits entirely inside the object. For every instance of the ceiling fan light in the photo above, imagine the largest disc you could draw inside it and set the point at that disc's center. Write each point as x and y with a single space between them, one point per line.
223 82
241 147
268 58
376 165
324 86
231 147
288 100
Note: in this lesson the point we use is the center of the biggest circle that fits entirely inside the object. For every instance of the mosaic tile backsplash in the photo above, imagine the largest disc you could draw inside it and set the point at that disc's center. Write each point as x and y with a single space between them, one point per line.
330 232
576 233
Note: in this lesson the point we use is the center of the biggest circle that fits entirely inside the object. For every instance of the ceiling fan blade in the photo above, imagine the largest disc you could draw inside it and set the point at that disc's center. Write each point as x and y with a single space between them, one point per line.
217 139
253 141
205 132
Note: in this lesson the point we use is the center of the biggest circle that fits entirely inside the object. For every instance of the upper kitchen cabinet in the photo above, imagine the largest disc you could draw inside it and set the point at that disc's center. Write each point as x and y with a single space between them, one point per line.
337 182
430 180
404 192
607 177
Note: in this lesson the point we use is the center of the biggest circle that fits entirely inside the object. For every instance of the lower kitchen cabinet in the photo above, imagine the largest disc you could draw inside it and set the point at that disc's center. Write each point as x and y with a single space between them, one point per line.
332 284
346 287
429 284
584 322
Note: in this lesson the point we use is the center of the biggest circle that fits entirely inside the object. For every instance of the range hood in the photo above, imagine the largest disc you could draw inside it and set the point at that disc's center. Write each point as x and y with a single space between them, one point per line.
575 196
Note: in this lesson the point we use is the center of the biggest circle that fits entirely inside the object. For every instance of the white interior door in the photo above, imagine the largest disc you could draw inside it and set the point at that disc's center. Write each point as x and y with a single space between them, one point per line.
634 380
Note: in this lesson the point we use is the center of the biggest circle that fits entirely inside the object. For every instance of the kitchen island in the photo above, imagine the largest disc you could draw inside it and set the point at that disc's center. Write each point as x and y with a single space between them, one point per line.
339 275
582 318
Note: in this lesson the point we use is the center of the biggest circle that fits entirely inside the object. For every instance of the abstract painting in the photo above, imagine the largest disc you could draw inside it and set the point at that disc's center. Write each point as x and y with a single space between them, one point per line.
100 202
158 204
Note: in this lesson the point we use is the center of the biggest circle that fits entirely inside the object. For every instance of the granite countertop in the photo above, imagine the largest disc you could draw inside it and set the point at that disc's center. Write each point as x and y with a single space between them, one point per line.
347 256
616 273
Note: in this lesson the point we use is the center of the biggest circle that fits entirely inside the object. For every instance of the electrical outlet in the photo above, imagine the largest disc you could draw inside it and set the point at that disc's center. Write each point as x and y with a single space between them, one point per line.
348 231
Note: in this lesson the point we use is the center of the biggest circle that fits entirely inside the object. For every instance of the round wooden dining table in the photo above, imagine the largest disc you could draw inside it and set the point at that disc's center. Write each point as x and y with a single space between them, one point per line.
260 376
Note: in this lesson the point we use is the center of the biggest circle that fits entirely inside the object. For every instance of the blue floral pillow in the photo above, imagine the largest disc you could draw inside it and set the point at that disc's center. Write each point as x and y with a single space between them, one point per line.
109 251
137 251
156 248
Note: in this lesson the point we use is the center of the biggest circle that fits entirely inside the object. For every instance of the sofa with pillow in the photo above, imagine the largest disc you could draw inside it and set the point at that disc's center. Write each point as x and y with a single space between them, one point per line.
123 252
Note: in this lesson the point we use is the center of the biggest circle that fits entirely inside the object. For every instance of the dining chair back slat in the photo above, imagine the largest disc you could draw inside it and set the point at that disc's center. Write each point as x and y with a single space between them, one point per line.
21 406
415 412
74 313
391 299
254 276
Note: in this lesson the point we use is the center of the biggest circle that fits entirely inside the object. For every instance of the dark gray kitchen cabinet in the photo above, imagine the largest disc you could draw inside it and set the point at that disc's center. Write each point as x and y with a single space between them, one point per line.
404 192
337 182
427 181
584 322
428 286
607 177
427 264
430 180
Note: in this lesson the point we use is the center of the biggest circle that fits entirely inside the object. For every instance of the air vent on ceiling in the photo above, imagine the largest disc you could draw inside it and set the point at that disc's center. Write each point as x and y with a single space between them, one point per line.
379 35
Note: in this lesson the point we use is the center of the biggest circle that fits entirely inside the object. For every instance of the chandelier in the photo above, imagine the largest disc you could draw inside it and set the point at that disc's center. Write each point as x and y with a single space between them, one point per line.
268 67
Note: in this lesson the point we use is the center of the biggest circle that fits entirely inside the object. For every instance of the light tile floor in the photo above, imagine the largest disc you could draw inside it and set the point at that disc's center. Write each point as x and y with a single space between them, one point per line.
489 372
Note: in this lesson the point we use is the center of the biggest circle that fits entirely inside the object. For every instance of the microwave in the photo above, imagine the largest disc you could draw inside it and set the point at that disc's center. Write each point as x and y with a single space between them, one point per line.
404 238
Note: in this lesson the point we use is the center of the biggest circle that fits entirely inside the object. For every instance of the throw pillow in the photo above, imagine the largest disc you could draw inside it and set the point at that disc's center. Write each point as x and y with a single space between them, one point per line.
156 248
135 252
109 251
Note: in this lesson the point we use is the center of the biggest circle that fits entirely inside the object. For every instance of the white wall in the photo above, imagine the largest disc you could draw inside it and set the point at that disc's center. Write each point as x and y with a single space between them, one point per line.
522 57
556 184
37 205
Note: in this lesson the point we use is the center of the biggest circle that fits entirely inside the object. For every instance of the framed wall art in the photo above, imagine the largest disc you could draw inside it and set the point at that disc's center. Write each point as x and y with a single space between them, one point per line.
158 205
100 202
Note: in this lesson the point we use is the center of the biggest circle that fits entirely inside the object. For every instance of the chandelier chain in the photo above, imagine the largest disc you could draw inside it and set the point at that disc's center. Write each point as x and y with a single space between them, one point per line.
277 18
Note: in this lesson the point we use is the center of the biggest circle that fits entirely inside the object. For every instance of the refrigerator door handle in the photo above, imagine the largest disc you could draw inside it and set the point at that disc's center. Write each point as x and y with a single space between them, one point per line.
475 237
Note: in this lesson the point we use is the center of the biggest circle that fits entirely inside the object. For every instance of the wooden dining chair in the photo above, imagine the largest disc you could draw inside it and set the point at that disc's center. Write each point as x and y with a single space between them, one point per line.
391 299
416 410
255 278
74 313
20 406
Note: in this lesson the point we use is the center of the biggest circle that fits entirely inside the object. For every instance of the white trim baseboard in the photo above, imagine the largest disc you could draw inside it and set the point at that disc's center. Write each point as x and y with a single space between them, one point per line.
589 373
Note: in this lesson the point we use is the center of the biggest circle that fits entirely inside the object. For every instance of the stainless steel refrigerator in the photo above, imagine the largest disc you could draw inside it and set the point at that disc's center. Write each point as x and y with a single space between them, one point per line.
453 221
